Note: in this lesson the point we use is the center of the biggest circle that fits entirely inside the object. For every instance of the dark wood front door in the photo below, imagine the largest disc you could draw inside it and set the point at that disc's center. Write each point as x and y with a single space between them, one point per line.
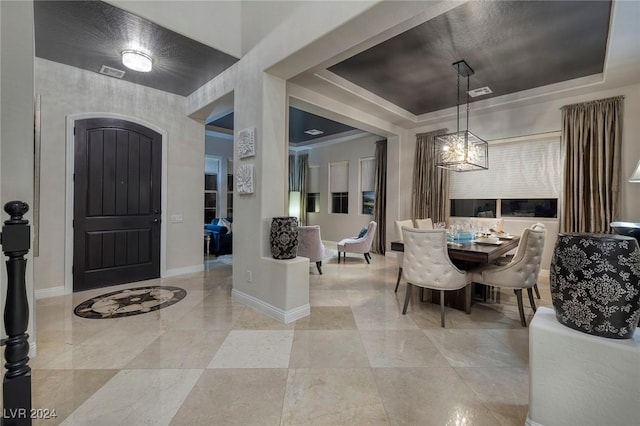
117 196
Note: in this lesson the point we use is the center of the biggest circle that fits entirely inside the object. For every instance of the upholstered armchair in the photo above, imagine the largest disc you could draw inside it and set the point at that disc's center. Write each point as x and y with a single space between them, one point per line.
400 255
310 244
427 265
361 245
521 272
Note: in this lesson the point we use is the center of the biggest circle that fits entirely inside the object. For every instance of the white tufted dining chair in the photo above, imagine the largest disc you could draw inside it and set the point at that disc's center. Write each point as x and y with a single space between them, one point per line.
400 255
424 223
521 272
506 259
426 264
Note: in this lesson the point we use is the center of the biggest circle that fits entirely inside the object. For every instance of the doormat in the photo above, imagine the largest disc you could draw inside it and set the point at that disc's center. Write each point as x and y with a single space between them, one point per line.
131 301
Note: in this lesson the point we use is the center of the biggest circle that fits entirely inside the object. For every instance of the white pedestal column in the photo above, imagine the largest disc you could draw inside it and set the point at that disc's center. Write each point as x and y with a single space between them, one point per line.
579 379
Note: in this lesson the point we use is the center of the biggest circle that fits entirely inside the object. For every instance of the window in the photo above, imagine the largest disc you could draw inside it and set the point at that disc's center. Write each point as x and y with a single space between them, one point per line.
313 202
523 180
210 197
543 207
368 198
367 184
211 172
509 207
229 187
340 202
313 189
474 208
339 187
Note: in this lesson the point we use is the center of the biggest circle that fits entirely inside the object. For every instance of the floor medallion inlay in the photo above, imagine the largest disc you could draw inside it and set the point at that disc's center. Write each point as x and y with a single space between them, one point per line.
132 301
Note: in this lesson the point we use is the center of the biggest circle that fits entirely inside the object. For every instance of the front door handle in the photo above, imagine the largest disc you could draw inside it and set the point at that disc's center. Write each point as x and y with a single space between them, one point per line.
156 220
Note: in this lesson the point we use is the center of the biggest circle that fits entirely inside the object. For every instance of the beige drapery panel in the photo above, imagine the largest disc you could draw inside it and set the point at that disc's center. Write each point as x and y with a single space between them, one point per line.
430 189
380 202
592 144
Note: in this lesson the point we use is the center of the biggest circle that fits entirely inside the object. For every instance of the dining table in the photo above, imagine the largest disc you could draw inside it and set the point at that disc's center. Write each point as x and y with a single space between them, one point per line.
467 254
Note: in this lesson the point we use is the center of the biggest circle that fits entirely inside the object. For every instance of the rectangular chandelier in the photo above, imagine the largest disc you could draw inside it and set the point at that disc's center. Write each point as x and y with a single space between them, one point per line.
461 151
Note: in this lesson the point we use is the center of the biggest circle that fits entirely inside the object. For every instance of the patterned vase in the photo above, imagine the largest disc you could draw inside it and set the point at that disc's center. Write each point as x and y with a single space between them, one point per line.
284 237
595 283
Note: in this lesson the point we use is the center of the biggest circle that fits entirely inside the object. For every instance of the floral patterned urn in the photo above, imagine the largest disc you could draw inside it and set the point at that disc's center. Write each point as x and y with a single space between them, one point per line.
595 283
284 237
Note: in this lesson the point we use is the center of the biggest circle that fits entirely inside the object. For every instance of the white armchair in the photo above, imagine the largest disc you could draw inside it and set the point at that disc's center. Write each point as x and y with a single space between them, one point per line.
521 272
399 224
360 245
310 244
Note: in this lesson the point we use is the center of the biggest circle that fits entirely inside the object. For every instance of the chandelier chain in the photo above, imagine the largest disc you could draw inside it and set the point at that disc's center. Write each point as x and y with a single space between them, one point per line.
458 103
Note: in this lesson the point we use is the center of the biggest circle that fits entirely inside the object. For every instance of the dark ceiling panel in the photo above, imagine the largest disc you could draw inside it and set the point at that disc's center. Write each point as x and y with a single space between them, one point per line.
89 34
299 122
511 45
224 122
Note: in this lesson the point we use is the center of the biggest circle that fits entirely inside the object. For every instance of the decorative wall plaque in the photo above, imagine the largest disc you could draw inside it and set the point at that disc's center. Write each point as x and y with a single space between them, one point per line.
244 179
247 142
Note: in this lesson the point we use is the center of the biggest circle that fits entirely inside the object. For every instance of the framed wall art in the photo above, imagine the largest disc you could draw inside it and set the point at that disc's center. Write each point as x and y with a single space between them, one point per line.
244 179
247 142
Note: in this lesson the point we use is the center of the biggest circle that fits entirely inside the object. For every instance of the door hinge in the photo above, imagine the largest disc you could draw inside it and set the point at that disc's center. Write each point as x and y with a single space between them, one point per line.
73 223
74 131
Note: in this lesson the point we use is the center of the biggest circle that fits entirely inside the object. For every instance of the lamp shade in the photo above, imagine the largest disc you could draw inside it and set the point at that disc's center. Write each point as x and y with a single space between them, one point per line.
294 204
461 151
635 176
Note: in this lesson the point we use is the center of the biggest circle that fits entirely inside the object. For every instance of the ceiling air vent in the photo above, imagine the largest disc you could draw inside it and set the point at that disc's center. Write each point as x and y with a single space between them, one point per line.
112 72
479 92
314 132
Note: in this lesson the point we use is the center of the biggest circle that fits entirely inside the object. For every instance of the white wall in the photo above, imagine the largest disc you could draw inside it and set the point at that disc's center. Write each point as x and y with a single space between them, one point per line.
67 90
16 125
259 18
334 226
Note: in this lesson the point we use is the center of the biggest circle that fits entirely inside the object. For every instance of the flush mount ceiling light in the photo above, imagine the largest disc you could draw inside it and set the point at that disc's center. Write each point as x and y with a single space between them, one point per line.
461 151
136 60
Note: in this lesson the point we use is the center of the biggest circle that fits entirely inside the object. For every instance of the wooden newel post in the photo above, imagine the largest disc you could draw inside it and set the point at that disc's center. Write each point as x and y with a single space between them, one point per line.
17 380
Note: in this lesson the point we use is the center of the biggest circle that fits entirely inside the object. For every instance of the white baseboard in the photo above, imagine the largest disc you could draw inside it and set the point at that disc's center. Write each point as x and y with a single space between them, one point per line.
530 422
184 270
271 311
45 293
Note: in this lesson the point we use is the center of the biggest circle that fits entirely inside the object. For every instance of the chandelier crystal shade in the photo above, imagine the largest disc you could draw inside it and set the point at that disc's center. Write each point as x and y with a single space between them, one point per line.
136 60
461 151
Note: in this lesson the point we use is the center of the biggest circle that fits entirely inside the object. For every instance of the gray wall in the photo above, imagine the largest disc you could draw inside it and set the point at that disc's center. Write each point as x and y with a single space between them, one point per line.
67 91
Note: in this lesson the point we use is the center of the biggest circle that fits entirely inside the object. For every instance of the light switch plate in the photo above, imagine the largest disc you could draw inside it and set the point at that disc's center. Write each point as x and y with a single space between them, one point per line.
176 218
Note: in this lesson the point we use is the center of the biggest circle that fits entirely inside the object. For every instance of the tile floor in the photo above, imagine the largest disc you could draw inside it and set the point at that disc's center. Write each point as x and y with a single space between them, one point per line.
208 360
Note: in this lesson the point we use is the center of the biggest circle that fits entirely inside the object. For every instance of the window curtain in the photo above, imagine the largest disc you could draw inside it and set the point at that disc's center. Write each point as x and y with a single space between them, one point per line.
298 181
430 189
380 202
592 144
302 168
